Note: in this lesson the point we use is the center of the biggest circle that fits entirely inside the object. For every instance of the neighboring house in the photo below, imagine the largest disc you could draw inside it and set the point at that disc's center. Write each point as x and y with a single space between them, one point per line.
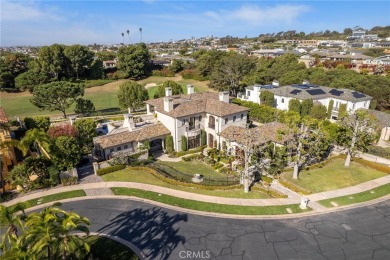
187 115
383 123
383 60
109 64
353 99
7 154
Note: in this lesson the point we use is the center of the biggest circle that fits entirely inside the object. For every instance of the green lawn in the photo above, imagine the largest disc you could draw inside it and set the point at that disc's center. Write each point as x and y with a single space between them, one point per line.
146 177
106 248
334 176
208 207
103 97
194 167
55 197
198 87
358 197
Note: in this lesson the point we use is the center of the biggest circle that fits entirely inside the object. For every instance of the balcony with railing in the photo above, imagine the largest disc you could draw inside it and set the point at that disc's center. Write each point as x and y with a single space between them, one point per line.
192 131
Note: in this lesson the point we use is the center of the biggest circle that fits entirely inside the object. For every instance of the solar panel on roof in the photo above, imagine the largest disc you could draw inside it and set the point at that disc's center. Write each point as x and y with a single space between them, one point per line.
315 92
358 95
268 87
336 92
295 91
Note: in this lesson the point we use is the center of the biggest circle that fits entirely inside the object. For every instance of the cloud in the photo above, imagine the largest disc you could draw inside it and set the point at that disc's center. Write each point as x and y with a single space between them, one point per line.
26 11
257 15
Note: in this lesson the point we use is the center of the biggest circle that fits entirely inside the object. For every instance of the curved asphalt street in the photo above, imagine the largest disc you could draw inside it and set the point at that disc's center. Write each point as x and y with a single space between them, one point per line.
360 233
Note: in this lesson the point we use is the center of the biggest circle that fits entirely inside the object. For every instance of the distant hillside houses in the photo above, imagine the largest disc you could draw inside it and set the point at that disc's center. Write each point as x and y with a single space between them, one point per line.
283 94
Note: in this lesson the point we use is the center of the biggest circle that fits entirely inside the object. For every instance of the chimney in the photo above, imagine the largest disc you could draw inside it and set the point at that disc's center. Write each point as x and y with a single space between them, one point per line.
168 92
72 119
190 89
224 96
129 121
305 82
168 104
275 83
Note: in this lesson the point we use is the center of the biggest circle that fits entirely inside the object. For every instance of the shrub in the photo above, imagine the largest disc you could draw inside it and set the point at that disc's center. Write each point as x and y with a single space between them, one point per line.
294 187
266 179
188 74
270 191
110 169
190 158
69 181
165 72
169 144
192 151
376 166
183 143
379 151
217 166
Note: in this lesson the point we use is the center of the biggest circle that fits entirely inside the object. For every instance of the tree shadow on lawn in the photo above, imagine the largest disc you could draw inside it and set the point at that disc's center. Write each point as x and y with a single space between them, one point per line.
152 231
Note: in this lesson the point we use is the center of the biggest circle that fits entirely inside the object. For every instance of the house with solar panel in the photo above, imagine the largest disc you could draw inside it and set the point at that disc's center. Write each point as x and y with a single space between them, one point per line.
283 94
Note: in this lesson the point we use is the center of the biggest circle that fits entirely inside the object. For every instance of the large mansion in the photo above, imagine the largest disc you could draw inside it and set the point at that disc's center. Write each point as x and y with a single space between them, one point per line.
176 115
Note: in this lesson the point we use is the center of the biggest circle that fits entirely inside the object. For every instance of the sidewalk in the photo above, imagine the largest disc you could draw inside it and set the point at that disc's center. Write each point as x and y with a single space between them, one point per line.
294 198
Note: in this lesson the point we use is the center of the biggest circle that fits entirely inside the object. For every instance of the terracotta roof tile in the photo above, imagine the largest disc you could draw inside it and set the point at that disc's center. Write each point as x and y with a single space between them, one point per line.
259 135
3 116
137 135
185 105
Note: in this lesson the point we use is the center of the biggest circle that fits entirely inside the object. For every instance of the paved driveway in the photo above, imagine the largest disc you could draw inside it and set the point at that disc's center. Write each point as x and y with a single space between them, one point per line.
362 233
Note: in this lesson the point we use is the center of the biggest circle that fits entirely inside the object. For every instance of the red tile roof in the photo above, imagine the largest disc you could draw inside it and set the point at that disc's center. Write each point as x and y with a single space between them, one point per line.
3 116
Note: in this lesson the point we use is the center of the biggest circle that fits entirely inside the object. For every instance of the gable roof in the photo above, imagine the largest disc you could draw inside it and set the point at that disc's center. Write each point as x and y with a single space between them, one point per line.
138 135
383 118
206 102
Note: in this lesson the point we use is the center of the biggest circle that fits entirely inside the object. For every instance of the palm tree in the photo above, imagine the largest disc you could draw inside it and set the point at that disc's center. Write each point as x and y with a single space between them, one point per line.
70 243
128 34
12 220
140 31
123 38
34 137
50 234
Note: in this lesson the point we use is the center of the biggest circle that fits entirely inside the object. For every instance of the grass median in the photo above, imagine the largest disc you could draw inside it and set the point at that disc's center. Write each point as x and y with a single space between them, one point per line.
54 197
357 197
206 206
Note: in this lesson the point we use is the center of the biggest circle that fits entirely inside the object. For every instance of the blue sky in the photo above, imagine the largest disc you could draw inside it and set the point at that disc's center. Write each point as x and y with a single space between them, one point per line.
33 22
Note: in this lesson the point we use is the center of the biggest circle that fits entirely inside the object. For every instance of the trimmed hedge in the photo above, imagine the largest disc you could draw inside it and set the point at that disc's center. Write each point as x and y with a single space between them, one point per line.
110 169
192 151
190 158
379 151
217 166
374 165
294 187
185 184
69 181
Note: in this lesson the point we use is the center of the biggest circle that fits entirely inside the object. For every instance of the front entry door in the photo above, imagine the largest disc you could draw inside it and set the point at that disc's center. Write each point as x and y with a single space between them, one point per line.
211 140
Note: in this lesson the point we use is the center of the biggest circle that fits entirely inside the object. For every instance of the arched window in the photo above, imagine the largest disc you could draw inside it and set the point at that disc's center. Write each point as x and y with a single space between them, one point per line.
226 121
234 118
242 116
211 122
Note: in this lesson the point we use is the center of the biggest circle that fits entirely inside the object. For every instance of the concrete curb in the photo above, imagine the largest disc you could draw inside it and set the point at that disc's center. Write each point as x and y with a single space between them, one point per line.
221 215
